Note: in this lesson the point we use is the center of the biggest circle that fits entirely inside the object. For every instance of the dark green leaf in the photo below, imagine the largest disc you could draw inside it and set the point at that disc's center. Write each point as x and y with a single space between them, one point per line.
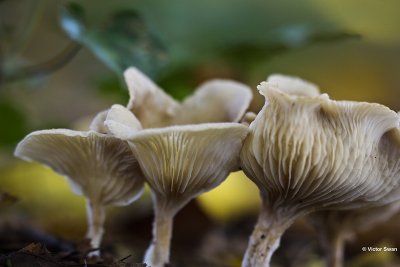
113 87
13 124
282 40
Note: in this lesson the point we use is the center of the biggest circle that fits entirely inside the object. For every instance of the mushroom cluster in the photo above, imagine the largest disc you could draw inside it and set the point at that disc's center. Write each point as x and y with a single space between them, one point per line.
179 163
110 163
304 151
216 100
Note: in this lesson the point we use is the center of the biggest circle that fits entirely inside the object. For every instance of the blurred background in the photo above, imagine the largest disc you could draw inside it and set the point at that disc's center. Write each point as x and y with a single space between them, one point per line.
61 62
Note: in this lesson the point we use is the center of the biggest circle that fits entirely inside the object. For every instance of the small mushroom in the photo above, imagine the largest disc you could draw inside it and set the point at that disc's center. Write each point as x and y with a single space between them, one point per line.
97 123
179 163
307 153
100 167
335 227
121 122
248 118
214 101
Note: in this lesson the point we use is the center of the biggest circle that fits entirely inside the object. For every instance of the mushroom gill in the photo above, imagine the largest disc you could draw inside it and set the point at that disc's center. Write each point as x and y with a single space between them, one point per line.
179 163
308 153
98 166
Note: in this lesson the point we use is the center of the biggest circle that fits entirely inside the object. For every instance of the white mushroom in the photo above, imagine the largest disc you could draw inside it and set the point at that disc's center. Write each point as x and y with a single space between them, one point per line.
179 163
248 118
309 153
100 167
213 101
97 123
121 122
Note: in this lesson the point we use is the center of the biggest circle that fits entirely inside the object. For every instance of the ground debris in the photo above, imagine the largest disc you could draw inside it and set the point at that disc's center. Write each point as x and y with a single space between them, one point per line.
35 248
37 255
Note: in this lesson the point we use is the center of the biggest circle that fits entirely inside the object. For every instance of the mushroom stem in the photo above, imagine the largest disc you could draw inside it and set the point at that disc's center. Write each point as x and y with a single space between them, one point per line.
157 255
334 251
96 216
265 238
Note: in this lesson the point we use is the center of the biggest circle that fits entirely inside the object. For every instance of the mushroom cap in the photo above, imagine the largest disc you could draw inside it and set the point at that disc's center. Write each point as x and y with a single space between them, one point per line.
98 166
213 101
248 118
293 85
313 153
150 104
180 162
120 121
97 123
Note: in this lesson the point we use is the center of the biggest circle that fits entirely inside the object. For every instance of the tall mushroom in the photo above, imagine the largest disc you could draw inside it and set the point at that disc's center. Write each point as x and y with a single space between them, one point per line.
335 227
306 153
100 167
216 100
179 163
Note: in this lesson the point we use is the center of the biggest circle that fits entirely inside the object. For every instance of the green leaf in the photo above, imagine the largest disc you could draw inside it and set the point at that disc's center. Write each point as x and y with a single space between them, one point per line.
13 124
125 40
284 39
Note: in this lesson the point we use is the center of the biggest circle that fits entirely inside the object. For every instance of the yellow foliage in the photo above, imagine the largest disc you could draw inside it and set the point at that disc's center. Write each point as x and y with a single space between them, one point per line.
233 198
45 198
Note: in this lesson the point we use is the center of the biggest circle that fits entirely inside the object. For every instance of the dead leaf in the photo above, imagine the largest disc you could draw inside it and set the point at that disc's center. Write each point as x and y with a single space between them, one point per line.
36 248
